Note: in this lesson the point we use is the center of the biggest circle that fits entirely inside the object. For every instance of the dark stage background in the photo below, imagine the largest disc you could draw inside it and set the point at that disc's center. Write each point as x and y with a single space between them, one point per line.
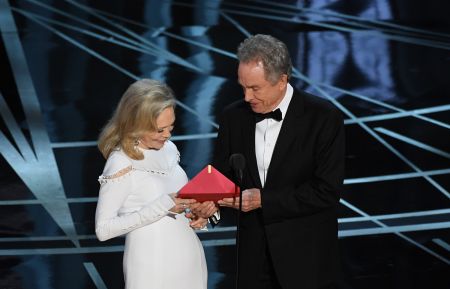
65 64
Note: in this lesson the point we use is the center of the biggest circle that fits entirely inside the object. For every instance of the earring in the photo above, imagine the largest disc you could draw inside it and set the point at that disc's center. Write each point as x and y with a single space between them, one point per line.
136 144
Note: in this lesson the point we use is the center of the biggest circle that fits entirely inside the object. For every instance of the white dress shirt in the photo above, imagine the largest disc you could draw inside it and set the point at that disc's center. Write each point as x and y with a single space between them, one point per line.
266 135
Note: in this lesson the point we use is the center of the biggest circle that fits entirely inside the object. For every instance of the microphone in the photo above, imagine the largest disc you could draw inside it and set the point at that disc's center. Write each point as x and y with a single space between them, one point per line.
237 163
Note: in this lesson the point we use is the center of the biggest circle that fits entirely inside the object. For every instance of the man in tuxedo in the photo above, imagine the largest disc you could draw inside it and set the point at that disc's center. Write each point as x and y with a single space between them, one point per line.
293 143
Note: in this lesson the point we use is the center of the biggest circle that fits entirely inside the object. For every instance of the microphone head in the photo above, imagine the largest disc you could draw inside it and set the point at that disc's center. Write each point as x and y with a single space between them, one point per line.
237 162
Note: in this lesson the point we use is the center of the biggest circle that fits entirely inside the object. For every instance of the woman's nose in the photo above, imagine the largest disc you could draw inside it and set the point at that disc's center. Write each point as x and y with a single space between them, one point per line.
167 134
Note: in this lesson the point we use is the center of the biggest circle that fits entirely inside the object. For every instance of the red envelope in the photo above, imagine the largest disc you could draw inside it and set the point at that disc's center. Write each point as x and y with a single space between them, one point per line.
209 185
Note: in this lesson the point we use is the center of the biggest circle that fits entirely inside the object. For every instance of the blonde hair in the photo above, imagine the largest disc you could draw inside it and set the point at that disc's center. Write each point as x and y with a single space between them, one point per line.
135 114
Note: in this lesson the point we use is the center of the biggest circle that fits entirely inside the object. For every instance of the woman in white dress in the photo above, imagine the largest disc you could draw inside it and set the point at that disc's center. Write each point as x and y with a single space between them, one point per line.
137 197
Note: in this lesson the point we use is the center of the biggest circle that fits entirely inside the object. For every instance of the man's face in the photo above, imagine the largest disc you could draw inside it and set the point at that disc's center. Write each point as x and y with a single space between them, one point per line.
262 95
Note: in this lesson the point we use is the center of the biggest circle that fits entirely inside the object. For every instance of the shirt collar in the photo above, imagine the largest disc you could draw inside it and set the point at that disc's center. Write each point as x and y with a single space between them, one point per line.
284 104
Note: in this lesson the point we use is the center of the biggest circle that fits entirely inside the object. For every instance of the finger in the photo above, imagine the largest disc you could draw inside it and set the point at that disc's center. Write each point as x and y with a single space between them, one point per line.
225 204
207 213
208 203
199 207
195 206
233 201
197 223
229 201
183 201
197 213
207 207
194 222
215 209
211 210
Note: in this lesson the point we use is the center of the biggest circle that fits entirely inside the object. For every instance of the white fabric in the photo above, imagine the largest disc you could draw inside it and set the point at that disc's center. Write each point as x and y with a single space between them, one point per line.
161 250
266 135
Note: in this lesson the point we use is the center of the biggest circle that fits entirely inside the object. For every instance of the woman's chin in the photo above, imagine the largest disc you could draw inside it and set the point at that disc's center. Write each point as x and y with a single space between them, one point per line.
159 144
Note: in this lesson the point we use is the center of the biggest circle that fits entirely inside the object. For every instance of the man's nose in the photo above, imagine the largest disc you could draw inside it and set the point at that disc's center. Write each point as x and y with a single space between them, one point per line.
167 134
248 95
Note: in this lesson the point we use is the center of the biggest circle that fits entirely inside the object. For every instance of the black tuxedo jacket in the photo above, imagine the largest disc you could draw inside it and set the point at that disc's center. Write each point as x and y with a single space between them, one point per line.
297 222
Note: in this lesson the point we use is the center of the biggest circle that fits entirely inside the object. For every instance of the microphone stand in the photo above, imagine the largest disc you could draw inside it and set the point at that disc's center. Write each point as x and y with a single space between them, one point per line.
238 225
237 163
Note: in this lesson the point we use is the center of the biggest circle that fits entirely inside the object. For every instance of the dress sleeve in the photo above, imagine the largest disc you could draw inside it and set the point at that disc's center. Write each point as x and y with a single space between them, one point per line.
115 187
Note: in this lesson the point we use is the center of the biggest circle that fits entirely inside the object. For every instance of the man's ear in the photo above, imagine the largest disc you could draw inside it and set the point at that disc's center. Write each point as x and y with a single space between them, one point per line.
283 81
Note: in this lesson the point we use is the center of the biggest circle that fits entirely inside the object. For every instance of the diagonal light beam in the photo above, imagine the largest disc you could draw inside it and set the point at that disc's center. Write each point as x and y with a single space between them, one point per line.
114 65
403 236
95 276
395 115
413 142
291 19
15 131
394 177
402 112
133 34
41 175
383 26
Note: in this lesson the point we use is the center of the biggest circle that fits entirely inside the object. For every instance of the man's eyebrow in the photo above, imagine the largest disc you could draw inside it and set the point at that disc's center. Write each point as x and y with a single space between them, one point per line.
251 86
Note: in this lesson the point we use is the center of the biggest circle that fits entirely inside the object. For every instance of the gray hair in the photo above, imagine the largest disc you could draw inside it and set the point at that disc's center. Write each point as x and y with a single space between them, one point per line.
273 54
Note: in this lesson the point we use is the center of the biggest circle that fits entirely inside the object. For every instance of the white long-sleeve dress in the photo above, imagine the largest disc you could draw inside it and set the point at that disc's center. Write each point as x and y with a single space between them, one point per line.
161 250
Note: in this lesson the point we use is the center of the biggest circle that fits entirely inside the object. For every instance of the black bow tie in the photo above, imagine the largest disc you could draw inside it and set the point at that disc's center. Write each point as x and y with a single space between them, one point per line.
276 115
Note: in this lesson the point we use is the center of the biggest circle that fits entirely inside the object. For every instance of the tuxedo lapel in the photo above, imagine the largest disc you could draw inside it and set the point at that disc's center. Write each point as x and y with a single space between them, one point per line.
249 141
290 130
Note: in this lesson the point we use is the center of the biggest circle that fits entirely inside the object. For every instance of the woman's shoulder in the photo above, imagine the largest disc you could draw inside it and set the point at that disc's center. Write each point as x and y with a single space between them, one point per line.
170 146
172 151
117 162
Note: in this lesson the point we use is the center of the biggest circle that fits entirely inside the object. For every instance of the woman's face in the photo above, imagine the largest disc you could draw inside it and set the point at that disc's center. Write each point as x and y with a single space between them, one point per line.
164 126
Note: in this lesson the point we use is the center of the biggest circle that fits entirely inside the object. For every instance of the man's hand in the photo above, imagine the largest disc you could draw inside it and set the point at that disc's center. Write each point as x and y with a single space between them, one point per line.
204 210
251 200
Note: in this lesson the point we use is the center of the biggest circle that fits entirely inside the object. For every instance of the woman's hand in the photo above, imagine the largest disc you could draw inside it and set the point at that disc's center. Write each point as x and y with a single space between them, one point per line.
205 209
198 223
181 204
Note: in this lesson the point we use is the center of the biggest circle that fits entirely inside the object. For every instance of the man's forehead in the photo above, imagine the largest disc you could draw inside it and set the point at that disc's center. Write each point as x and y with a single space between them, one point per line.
254 62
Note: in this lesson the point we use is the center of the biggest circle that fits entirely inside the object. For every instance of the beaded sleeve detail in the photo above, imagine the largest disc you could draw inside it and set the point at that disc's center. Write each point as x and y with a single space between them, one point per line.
115 177
151 171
